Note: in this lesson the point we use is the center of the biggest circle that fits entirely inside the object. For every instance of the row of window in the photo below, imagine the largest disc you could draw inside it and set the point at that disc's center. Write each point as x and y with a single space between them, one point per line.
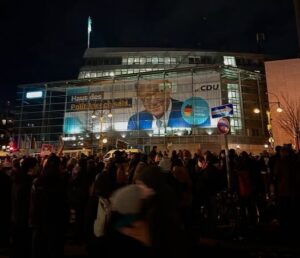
112 73
234 98
131 60
140 60
154 60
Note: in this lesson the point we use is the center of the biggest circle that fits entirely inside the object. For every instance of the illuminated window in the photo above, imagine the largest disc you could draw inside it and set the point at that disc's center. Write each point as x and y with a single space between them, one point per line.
161 60
142 60
149 60
34 94
229 60
167 60
154 60
130 60
81 75
234 98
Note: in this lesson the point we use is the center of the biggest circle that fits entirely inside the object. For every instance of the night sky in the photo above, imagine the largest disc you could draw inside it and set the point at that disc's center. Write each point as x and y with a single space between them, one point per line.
45 40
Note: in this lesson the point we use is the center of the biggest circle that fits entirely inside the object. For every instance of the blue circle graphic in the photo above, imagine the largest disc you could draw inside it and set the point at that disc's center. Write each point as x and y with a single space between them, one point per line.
195 111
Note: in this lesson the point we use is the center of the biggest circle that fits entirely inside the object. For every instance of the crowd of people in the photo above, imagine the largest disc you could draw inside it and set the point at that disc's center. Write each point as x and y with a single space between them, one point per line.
139 204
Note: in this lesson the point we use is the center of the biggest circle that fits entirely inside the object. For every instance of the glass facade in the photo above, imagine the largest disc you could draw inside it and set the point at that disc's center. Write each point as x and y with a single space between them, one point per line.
137 107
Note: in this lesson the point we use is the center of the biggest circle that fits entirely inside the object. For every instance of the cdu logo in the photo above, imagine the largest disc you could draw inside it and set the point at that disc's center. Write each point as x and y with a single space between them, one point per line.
208 87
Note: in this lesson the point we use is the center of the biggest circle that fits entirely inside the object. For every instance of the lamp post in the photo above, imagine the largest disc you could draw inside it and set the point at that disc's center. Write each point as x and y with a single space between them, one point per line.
102 138
269 119
93 116
269 125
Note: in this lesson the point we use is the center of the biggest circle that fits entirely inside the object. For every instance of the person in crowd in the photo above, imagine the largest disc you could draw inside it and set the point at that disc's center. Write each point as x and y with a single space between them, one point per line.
273 180
5 202
165 163
78 194
21 188
140 167
206 190
48 211
98 212
143 220
283 171
135 159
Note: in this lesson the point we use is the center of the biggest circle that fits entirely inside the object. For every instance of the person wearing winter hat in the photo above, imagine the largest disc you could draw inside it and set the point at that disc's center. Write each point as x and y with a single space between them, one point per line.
143 221
128 227
128 203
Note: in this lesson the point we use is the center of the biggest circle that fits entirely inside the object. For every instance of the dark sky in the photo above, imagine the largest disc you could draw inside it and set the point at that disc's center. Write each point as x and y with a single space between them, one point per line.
44 40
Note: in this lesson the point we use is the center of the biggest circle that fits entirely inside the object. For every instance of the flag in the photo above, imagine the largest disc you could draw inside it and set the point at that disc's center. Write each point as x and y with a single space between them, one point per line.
89 24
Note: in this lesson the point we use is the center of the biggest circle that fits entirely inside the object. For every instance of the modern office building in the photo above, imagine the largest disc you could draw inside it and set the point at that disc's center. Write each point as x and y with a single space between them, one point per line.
99 62
146 97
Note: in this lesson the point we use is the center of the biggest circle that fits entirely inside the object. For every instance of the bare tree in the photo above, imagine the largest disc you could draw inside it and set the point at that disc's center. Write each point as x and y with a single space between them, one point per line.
290 119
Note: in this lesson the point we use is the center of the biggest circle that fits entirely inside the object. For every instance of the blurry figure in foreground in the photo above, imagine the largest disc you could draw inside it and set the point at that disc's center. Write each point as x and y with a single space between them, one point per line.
143 220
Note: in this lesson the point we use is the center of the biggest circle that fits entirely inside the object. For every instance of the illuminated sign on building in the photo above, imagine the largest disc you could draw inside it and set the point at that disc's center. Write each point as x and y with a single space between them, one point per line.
160 105
105 104
34 94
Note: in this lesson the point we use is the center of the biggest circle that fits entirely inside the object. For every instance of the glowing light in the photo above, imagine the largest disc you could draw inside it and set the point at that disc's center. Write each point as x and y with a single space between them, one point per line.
279 109
256 111
271 140
179 133
34 94
69 138
104 140
209 132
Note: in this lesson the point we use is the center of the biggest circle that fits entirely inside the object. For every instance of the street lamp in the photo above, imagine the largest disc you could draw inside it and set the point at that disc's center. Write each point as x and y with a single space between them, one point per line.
256 110
279 109
102 115
268 112
110 115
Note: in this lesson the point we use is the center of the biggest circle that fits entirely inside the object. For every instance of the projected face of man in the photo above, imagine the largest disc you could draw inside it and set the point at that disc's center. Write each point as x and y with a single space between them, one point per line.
155 96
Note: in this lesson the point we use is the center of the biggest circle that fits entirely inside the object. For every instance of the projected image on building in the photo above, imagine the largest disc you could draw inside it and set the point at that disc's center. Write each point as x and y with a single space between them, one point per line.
159 105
